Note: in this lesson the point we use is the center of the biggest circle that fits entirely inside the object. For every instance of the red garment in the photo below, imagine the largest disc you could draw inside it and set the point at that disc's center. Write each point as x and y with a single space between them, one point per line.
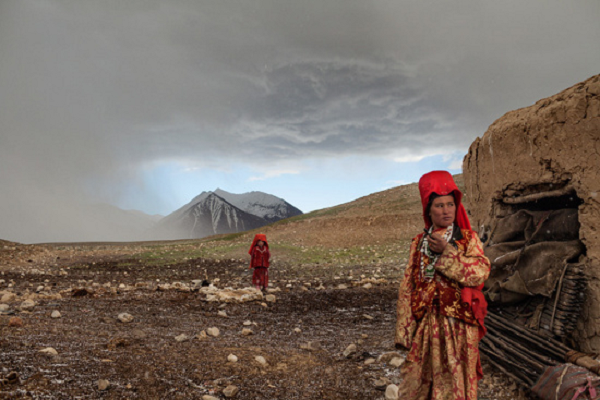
442 183
260 257
259 260
260 277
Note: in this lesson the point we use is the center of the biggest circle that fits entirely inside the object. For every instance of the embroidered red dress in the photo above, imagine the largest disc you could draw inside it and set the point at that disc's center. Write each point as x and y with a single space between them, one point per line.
440 318
259 261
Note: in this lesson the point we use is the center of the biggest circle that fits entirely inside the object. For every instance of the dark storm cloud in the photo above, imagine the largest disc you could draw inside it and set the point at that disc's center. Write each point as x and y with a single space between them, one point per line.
92 91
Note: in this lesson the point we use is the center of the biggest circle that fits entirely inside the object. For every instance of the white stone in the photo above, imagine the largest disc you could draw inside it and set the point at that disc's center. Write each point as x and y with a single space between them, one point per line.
125 318
214 332
4 307
103 384
297 330
397 361
247 322
391 392
55 314
230 391
27 305
351 349
50 351
182 338
222 313
261 360
367 316
232 358
270 298
369 361
247 332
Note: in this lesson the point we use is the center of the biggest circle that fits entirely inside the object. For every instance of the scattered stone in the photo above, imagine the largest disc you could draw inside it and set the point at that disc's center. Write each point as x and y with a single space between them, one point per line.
367 316
4 308
125 318
368 285
247 332
55 314
232 358
342 286
247 322
369 361
397 361
311 346
39 289
202 335
138 334
222 313
297 330
209 397
264 304
382 383
103 384
214 332
270 298
261 360
231 391
391 392
15 322
27 305
364 336
50 351
387 357
351 349
8 298
182 338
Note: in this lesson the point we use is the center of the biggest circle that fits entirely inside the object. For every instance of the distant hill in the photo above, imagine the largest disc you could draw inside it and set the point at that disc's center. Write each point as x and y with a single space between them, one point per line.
383 218
221 212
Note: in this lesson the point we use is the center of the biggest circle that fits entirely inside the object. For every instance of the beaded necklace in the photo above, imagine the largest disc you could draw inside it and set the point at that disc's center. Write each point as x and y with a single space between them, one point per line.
428 271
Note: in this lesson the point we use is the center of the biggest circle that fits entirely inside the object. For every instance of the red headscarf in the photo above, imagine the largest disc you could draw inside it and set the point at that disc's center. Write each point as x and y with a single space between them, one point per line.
258 237
441 183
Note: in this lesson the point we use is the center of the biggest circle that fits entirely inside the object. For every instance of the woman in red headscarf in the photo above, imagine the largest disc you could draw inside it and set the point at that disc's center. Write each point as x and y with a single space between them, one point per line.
259 260
441 309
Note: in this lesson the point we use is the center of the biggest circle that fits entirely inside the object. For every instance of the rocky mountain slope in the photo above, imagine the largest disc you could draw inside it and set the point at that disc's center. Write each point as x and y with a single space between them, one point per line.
221 212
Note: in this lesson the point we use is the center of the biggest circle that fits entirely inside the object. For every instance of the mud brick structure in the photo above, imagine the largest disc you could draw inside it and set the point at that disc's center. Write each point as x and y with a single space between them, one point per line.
533 188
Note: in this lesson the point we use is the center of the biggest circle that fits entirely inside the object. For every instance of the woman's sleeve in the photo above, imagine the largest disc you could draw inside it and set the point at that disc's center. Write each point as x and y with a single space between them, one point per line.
470 267
405 321
251 260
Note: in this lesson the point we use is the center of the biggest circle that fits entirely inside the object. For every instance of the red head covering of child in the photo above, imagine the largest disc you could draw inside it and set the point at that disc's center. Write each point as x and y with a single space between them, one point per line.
258 237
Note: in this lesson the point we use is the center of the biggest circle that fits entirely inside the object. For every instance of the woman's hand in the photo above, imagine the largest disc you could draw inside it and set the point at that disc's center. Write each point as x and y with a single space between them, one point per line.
437 244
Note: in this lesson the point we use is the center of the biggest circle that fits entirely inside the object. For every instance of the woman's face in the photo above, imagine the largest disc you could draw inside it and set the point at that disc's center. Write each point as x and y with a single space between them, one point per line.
260 243
443 211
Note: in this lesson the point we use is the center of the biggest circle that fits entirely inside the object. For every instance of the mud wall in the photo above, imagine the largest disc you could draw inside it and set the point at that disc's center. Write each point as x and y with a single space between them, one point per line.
552 145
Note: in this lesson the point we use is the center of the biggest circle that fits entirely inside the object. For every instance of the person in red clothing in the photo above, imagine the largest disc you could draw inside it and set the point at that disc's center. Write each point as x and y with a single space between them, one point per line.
441 309
259 261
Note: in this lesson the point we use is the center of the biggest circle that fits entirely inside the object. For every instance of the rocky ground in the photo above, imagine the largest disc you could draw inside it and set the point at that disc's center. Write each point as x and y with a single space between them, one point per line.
113 322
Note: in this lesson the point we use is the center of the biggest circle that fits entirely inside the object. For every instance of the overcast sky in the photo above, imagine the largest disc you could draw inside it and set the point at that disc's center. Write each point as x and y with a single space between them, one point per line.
145 104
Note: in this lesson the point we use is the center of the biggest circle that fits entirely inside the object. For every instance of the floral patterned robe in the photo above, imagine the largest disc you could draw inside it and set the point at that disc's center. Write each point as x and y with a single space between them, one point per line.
440 330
